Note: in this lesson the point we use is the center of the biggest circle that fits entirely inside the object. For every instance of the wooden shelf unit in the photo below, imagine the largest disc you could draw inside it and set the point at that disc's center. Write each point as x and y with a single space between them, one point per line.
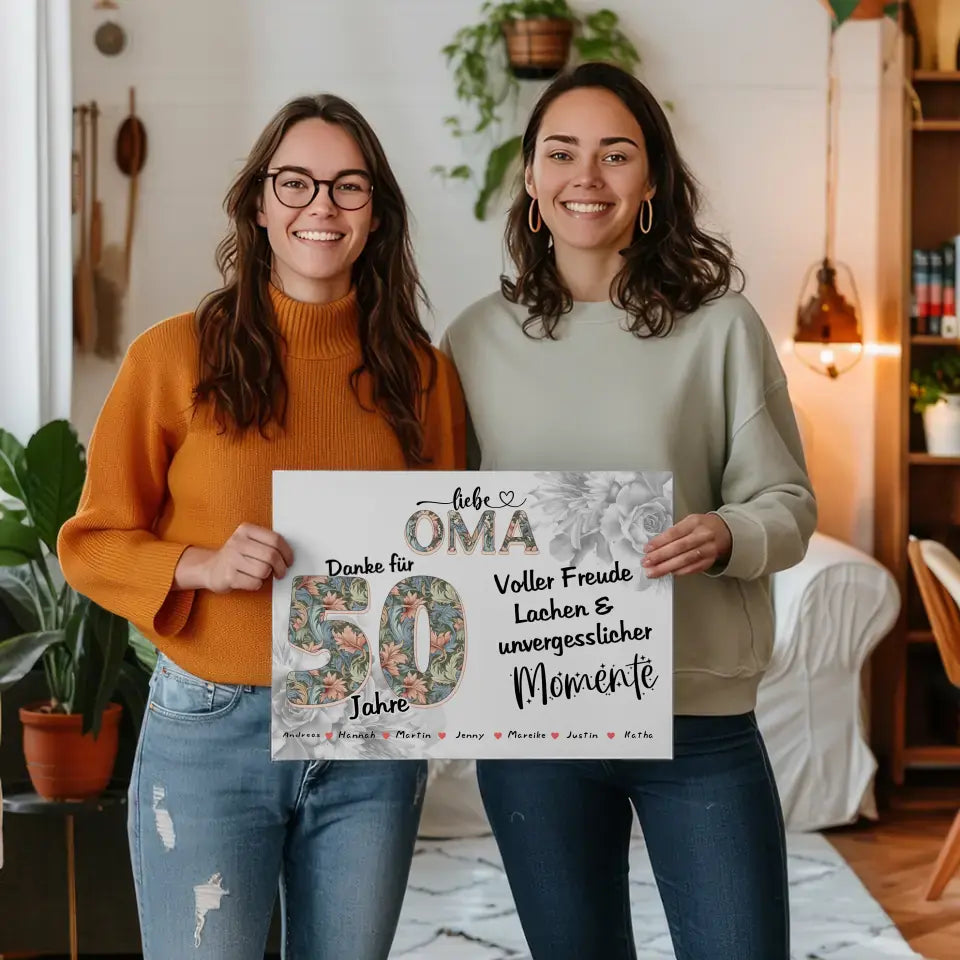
929 460
936 755
936 76
916 493
937 126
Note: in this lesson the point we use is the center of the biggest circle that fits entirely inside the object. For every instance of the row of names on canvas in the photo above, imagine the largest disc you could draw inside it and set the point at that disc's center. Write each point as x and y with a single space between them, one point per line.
498 734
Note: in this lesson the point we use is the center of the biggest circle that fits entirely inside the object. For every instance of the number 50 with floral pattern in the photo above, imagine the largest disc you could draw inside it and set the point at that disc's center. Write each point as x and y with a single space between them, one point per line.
345 650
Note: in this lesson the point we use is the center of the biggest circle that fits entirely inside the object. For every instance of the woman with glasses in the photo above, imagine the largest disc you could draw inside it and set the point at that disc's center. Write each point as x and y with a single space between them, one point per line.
310 356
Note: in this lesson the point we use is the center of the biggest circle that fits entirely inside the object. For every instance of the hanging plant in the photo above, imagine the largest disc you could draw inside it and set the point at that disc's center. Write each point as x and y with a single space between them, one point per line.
526 39
843 10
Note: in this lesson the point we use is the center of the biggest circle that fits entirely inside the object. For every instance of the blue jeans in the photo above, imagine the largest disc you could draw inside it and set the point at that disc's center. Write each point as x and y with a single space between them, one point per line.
215 826
713 827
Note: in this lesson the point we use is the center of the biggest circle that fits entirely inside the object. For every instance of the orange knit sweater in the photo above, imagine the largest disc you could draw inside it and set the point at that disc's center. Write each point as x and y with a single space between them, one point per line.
160 479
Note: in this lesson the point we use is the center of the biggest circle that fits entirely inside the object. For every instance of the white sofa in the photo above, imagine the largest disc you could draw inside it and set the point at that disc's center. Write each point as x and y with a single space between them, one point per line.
831 611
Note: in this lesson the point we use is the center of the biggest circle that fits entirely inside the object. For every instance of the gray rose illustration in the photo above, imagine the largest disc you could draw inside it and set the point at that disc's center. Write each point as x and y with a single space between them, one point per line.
612 514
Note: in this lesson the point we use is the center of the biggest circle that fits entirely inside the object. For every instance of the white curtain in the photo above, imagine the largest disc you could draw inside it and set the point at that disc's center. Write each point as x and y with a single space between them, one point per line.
36 263
36 259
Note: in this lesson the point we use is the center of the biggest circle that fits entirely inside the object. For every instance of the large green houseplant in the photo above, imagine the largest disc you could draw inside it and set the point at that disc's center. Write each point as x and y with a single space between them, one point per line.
89 655
484 79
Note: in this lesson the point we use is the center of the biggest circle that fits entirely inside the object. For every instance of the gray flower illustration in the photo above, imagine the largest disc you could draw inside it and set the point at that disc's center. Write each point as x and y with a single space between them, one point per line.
612 514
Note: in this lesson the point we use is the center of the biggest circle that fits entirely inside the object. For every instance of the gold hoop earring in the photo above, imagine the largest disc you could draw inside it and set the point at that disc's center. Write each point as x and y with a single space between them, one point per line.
646 207
533 205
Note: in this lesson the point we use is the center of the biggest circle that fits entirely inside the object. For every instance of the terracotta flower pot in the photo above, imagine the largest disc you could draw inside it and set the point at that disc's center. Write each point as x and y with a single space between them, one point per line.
538 48
63 763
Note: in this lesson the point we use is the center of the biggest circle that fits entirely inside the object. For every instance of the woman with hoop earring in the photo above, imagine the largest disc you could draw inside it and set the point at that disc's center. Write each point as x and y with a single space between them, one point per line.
621 345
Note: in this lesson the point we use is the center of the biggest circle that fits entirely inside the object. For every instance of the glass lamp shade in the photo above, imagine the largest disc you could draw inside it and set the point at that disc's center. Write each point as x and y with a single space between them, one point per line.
828 337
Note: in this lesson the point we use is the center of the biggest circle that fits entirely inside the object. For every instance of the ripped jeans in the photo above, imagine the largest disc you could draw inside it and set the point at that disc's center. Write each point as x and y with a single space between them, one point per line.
215 827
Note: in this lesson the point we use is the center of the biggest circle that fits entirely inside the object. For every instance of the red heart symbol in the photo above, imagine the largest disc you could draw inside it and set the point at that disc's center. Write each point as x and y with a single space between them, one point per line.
611 735
498 734
554 735
441 734
330 735
386 736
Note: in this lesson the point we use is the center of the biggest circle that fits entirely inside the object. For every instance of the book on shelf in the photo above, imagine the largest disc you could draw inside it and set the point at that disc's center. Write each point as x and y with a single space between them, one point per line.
933 291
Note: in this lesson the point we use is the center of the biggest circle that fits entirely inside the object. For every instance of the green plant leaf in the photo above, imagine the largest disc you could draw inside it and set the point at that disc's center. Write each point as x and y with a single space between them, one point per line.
143 649
927 387
87 663
56 466
19 544
19 654
17 594
843 10
71 631
603 21
12 465
595 48
892 10
132 685
497 165
111 635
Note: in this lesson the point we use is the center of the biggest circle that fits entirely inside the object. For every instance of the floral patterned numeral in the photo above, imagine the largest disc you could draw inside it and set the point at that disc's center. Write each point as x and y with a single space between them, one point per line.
348 664
448 640
347 667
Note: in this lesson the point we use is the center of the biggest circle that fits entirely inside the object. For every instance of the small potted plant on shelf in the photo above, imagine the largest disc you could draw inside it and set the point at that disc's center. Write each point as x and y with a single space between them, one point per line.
88 654
936 396
526 39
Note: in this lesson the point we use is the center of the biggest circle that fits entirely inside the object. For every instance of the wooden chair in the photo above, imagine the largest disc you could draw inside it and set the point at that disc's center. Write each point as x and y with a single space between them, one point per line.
937 572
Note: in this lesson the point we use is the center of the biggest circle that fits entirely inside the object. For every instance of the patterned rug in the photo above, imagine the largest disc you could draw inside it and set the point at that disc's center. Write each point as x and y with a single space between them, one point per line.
458 907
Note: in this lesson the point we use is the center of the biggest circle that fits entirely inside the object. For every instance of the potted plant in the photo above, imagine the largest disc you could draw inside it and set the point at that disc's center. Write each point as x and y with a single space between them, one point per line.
88 654
936 396
525 39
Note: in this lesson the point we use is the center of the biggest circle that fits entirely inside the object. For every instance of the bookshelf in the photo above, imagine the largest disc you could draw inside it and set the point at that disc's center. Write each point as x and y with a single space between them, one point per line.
914 721
936 76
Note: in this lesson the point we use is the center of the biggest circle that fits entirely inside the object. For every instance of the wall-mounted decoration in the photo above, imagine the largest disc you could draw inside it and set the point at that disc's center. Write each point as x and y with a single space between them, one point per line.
84 301
131 154
107 283
522 40
110 38
102 272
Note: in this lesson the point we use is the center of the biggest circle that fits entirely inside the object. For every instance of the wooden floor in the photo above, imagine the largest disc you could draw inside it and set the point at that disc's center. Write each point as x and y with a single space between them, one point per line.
893 860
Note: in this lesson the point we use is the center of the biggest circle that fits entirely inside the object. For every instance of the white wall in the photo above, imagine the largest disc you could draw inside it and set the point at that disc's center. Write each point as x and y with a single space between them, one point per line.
747 79
35 265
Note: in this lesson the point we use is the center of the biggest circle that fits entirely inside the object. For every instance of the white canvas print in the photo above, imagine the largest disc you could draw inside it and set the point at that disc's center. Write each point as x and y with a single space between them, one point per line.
471 614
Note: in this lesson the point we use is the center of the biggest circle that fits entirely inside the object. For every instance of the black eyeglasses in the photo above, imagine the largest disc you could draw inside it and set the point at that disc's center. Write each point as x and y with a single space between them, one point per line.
294 187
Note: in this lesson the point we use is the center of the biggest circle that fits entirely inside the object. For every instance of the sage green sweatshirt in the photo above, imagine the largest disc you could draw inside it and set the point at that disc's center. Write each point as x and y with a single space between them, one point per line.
708 402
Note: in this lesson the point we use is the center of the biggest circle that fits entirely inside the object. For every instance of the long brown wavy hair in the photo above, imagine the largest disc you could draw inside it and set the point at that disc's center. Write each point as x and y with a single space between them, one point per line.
241 369
670 271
